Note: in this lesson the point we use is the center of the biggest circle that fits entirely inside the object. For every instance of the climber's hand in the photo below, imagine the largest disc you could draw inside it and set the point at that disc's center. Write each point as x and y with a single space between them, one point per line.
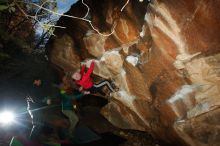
88 63
80 88
49 101
86 92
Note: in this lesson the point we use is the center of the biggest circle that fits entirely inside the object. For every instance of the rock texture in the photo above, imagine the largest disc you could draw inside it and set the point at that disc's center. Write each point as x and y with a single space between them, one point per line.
164 57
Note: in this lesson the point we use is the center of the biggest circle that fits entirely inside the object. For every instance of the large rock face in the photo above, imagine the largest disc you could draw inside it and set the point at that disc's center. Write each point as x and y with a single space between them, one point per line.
164 57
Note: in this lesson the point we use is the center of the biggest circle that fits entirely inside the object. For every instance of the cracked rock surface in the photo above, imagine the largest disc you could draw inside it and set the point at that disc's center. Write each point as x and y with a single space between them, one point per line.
163 56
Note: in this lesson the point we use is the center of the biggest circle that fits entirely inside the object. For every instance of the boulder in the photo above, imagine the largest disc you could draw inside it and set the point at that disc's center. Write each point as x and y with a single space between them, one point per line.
164 57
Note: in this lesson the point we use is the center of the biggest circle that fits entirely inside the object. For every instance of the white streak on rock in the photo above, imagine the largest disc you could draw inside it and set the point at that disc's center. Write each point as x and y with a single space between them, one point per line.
132 60
172 30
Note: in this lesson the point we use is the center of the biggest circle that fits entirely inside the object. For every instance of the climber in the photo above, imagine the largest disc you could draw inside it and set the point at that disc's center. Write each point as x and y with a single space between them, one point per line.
67 96
37 105
33 107
83 80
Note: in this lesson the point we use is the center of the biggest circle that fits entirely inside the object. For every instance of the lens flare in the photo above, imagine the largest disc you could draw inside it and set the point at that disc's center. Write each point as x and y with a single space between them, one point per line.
6 117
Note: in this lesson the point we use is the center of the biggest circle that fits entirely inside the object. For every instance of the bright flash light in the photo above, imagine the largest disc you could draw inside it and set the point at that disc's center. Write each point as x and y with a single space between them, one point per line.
6 117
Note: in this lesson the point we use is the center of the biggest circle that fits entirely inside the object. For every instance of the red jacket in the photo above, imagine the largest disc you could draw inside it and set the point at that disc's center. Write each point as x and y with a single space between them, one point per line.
85 80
